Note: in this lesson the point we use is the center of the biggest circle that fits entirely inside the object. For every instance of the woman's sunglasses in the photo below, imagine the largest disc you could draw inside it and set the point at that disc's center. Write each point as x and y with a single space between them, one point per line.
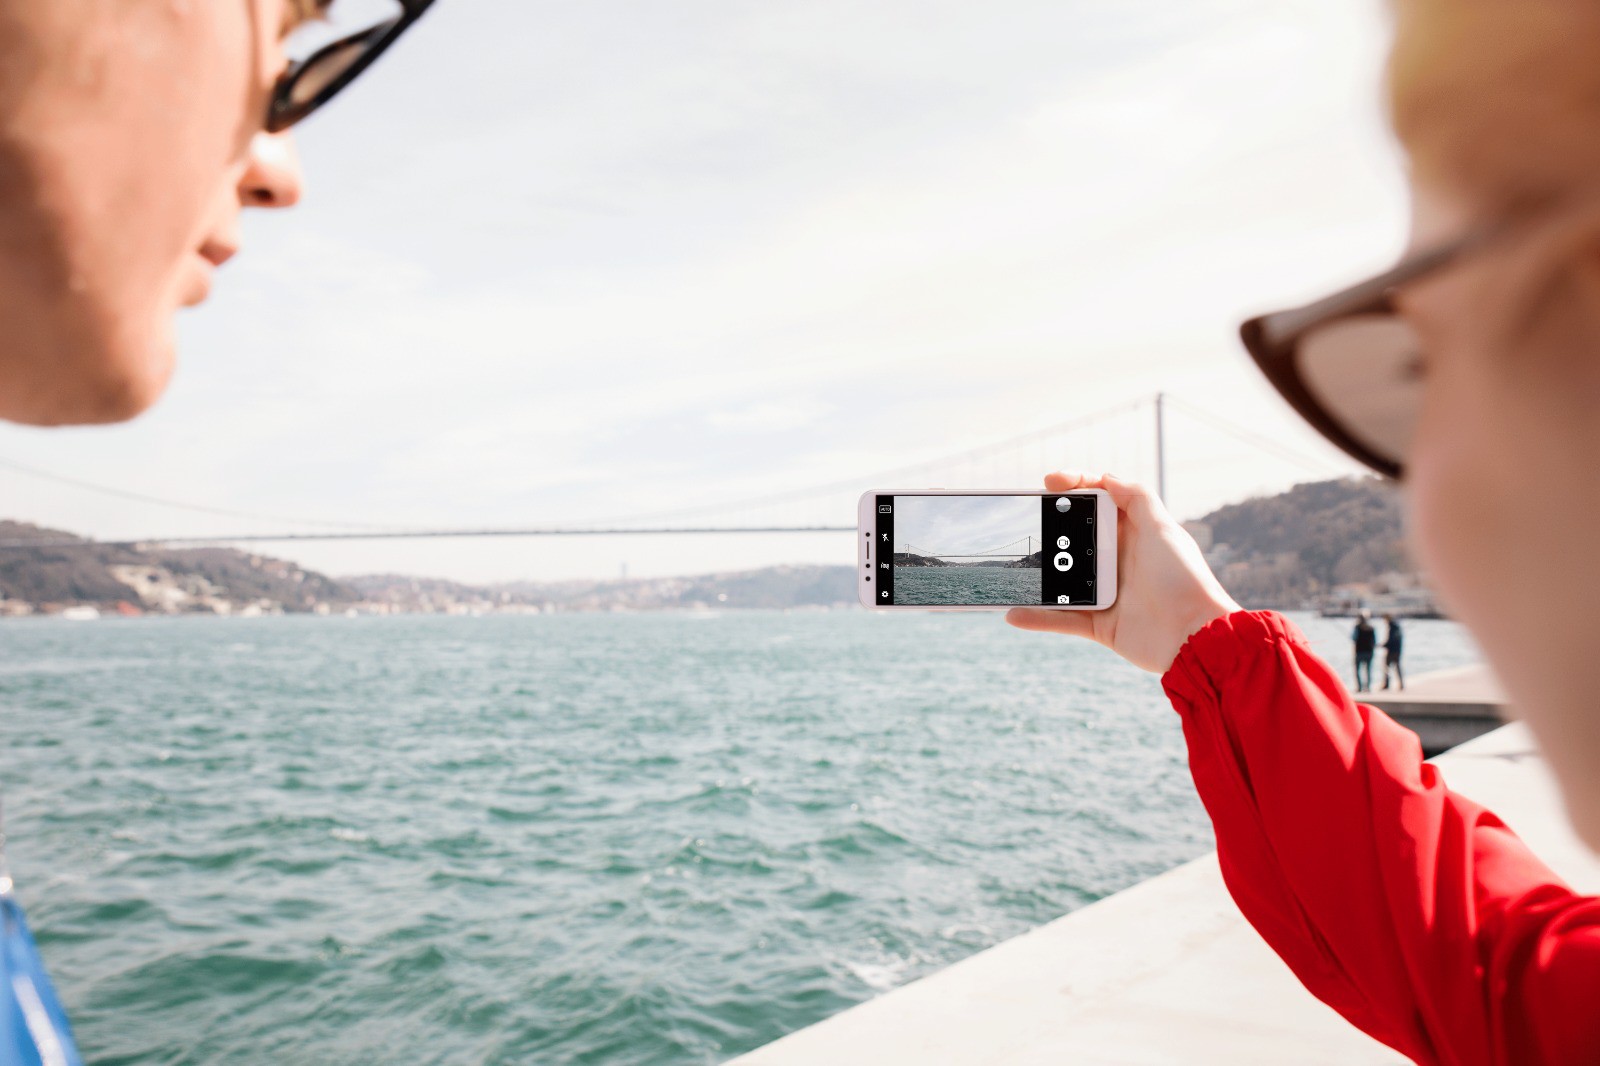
328 53
1350 363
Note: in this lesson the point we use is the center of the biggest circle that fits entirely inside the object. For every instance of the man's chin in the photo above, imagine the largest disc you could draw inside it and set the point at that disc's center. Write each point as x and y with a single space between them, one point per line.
197 283
92 395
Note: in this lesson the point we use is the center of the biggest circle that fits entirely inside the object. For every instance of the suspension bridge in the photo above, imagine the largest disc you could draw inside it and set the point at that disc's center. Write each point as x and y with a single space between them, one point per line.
1133 438
1020 548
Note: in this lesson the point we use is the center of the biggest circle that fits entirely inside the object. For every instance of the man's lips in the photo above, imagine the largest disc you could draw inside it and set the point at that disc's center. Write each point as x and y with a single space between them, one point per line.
208 257
216 252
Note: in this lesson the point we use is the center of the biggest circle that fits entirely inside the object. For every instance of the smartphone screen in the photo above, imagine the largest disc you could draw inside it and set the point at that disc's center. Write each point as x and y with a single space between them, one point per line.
985 551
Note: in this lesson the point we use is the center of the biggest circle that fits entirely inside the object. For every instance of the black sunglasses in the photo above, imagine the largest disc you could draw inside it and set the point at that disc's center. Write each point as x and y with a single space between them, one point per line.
1350 364
319 76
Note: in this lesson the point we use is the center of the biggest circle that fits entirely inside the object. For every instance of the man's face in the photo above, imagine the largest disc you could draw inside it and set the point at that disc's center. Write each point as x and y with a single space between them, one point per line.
130 139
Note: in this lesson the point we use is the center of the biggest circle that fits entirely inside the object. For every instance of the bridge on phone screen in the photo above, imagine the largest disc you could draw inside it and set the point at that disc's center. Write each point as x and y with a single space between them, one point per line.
1131 438
1020 548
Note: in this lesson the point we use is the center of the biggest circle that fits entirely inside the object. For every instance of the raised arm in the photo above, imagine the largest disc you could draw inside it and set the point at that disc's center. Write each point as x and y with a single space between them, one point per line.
1411 910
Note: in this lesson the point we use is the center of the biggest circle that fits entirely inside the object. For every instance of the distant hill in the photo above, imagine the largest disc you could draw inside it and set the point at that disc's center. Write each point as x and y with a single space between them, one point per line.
1280 551
77 572
902 559
72 571
769 587
1277 551
1027 562
71 574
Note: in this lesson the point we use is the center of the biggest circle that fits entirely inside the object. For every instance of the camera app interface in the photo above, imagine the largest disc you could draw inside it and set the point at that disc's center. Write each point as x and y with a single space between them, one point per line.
982 551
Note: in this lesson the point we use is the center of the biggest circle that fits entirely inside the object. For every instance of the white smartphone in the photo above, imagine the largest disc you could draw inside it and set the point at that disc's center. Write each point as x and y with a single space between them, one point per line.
975 551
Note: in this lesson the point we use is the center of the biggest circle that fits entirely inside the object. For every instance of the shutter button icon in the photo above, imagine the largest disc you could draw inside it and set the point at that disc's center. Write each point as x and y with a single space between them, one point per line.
1064 561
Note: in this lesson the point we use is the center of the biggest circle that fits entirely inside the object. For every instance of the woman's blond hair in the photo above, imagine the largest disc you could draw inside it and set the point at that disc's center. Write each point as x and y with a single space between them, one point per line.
1498 101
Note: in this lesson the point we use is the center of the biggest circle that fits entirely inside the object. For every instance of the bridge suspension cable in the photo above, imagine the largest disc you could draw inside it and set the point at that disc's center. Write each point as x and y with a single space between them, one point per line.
178 505
366 530
1266 444
992 553
888 478
415 534
664 523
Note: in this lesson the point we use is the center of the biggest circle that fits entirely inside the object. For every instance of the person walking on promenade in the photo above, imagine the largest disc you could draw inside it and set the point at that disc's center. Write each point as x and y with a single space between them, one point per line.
1472 368
132 135
1366 641
1392 644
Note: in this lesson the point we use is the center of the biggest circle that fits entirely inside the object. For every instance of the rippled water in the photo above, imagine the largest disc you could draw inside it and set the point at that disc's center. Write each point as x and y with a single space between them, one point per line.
561 839
968 585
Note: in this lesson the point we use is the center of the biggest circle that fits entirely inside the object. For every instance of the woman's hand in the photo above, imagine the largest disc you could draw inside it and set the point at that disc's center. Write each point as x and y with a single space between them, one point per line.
1165 590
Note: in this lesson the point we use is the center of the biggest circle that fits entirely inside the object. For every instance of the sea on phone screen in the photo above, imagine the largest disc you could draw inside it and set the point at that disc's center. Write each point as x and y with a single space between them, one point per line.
954 586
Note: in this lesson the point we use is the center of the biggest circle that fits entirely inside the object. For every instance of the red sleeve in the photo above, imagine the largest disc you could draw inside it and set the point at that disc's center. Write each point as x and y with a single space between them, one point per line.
1412 911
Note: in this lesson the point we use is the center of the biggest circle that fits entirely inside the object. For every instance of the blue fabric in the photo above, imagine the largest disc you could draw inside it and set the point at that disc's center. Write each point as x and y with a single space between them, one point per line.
33 1027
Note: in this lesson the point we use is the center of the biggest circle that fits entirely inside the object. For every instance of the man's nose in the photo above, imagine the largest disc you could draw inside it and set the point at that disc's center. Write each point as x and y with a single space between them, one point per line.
272 176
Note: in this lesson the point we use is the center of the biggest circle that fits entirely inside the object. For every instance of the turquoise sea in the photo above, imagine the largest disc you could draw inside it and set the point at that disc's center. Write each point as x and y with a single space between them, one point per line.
619 839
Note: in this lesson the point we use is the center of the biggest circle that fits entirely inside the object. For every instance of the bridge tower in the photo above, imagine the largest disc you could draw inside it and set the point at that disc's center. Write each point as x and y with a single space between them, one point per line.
1161 449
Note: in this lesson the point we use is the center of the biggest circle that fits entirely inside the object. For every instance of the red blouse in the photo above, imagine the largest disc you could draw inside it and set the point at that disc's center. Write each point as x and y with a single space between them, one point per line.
1410 910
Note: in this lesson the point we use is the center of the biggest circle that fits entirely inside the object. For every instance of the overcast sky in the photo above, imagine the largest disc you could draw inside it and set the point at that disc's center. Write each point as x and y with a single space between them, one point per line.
965 524
562 263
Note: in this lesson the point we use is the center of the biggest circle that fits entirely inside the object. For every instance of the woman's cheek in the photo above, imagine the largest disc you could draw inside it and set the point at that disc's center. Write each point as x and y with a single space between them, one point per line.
1453 478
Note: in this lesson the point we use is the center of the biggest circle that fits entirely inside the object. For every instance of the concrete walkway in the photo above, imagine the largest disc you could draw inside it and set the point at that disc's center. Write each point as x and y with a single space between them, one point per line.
1164 972
1446 707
